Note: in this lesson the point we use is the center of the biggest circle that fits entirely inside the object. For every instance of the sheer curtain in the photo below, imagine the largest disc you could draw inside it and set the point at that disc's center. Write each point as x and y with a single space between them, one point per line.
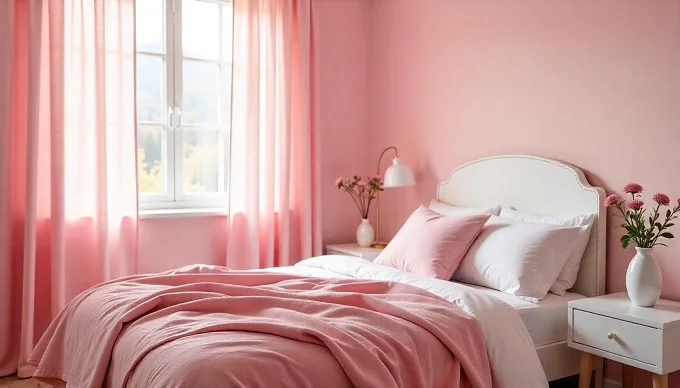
274 202
68 200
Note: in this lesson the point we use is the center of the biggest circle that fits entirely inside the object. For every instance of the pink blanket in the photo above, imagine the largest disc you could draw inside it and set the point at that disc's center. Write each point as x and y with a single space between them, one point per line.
209 327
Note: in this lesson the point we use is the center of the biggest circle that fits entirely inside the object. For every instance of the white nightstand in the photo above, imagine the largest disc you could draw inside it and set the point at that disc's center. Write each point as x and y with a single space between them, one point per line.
641 337
353 250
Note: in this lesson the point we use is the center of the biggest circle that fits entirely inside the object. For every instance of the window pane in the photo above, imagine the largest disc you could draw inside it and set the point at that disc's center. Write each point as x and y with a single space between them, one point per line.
150 159
200 29
200 85
200 165
150 25
227 32
150 88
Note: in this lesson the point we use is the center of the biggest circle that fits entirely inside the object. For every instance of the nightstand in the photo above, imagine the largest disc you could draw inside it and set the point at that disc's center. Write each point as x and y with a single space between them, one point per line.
353 250
638 337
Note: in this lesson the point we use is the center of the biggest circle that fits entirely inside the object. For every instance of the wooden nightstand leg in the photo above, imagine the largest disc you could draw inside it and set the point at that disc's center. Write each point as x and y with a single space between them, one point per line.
599 377
660 381
628 374
587 361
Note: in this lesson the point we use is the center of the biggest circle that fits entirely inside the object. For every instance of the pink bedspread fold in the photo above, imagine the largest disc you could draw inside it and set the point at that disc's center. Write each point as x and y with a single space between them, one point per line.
209 327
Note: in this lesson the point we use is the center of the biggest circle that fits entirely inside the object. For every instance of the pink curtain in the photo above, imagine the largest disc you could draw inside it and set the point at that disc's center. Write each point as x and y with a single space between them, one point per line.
68 202
273 191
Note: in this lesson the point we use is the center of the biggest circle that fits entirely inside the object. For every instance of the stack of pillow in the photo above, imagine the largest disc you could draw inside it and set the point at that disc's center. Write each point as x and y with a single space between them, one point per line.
524 255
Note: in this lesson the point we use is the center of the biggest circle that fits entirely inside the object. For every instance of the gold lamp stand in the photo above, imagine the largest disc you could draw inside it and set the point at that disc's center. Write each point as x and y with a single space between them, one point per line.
377 244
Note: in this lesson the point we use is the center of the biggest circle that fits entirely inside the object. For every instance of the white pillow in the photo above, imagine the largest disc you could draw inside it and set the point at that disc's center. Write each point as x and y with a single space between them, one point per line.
519 258
461 211
567 277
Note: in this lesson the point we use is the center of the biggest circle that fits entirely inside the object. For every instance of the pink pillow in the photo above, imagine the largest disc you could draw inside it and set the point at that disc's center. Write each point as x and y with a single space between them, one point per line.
431 244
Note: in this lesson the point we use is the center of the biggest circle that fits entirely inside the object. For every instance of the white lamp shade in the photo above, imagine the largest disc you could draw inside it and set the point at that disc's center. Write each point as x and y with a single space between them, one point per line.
398 175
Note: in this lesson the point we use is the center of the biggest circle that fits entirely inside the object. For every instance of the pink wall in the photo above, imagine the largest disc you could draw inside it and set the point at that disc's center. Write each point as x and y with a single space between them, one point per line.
167 243
342 43
341 48
595 84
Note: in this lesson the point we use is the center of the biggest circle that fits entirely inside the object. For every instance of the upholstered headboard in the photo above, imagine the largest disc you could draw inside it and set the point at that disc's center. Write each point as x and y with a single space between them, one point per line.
541 186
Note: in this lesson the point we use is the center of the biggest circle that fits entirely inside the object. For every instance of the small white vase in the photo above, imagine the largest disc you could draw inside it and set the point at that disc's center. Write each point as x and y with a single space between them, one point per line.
643 278
365 233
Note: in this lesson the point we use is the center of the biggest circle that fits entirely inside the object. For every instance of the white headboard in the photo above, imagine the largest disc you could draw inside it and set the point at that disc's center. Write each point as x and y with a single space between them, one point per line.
541 186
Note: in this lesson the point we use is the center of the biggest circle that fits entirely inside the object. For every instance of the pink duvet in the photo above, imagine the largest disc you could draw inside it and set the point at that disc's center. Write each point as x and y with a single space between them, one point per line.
209 327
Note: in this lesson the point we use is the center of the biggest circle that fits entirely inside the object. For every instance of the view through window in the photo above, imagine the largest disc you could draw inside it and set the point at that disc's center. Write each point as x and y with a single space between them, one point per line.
184 51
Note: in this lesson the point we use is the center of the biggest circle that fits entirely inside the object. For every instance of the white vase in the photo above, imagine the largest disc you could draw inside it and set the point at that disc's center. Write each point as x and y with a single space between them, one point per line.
365 233
643 278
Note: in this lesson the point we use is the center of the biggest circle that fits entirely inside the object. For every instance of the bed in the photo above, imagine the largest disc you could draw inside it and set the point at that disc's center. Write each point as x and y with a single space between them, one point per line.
541 186
479 337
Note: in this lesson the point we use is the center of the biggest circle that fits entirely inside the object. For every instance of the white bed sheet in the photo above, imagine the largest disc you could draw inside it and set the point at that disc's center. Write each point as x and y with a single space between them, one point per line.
546 320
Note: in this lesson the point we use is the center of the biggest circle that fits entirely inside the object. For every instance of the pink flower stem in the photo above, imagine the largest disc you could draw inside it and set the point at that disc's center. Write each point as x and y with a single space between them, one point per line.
365 194
371 196
353 196
361 200
368 208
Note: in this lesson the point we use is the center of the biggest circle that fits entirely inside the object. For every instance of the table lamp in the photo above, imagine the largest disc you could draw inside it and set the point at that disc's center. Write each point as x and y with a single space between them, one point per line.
396 175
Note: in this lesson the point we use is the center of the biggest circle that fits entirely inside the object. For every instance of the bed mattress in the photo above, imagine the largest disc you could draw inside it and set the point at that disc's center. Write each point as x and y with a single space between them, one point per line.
546 320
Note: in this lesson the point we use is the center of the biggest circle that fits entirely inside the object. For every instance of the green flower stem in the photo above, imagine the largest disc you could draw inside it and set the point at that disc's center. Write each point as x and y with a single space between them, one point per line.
637 230
352 195
665 225
362 196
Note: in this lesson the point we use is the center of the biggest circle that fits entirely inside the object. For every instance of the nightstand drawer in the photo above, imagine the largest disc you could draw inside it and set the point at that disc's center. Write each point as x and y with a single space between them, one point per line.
638 342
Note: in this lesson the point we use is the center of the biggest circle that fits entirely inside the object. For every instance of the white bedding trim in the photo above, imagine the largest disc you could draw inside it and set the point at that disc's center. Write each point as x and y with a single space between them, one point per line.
513 358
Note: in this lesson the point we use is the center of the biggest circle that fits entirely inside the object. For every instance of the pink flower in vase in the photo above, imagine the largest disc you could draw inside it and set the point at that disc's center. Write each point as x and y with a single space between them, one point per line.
632 188
610 200
638 231
661 199
636 204
361 184
338 182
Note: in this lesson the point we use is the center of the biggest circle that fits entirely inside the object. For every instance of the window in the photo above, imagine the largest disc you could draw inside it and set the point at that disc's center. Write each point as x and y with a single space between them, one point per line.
183 102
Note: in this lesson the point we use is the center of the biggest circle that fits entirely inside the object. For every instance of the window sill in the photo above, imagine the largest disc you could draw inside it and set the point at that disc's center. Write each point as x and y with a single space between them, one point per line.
178 213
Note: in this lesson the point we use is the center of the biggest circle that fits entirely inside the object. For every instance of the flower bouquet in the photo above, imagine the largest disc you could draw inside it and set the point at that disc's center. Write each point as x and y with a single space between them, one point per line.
363 192
644 229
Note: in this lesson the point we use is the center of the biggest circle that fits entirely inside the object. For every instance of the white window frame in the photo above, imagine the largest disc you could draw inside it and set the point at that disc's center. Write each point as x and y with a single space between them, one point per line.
173 196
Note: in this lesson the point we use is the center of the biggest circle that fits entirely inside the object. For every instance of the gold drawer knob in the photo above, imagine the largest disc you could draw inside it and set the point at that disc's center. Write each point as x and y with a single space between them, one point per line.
611 335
